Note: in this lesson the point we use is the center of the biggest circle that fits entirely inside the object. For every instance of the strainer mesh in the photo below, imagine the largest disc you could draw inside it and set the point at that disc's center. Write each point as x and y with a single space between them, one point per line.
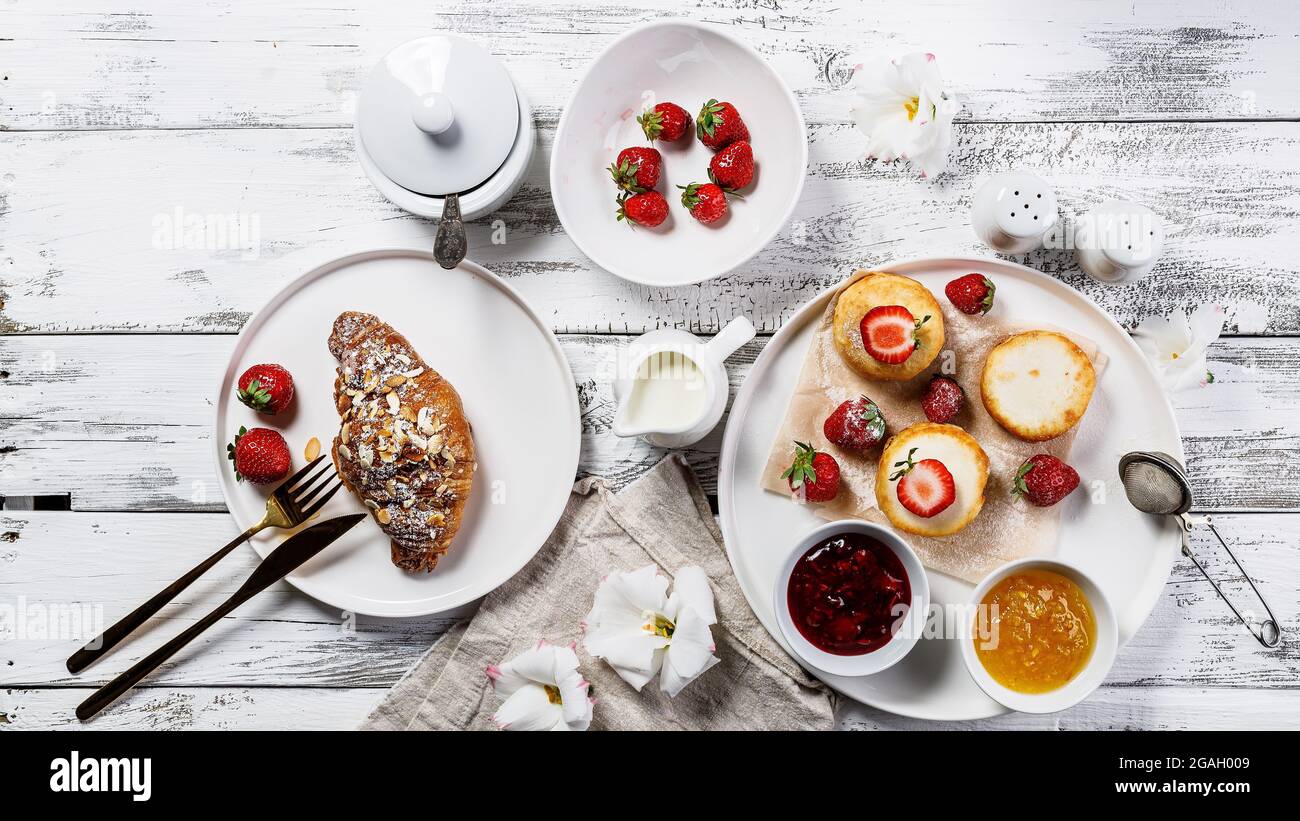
1151 488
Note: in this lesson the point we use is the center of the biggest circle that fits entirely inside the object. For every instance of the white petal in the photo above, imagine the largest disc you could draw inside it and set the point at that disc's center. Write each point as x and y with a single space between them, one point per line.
1167 335
631 649
616 626
640 678
1189 372
576 701
689 655
537 664
693 586
528 709
622 598
1206 323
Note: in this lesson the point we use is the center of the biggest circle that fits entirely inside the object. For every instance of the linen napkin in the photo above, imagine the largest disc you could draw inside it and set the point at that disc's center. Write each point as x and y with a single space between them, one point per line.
662 518
1006 528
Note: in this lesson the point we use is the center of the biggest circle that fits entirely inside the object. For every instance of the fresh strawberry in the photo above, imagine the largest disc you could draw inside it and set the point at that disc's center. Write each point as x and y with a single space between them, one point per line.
971 294
719 125
260 455
637 169
648 208
266 388
1045 480
856 425
815 474
925 487
733 167
943 399
706 201
666 121
889 333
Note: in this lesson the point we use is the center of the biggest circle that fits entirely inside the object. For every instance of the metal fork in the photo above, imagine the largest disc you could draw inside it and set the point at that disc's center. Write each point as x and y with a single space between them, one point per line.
293 502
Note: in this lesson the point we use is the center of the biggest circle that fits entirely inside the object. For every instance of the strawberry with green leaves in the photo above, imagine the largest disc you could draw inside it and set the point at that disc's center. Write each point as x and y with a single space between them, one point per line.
265 388
814 474
719 125
857 425
971 294
666 121
637 169
649 208
1044 480
260 456
706 201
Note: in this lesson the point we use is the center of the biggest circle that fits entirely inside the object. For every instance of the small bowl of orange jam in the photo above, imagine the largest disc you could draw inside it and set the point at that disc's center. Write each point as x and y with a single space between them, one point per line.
1042 636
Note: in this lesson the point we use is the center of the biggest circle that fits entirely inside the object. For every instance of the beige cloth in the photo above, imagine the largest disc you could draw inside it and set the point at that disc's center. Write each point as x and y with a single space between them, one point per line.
661 518
1005 528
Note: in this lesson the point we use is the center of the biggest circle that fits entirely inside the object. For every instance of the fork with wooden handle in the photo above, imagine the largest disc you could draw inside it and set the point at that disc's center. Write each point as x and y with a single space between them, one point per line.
293 502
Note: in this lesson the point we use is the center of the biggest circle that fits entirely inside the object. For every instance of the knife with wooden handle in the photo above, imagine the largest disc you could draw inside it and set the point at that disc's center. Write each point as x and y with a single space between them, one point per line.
283 560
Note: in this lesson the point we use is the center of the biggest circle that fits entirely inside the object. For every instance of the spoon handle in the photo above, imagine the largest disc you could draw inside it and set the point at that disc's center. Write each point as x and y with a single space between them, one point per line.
450 243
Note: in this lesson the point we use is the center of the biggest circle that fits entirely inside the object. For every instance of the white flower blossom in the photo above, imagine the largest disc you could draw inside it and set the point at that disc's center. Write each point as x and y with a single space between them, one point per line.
543 690
906 112
1176 345
641 631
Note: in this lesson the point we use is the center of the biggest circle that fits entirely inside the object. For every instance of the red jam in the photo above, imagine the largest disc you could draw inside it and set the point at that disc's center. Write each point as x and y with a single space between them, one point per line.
848 594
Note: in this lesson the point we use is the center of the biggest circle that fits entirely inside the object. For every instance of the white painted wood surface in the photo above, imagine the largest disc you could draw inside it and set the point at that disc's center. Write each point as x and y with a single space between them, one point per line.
113 115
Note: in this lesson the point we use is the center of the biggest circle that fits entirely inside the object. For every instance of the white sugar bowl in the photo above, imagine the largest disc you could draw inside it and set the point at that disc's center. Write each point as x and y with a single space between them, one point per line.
443 131
1012 212
1119 241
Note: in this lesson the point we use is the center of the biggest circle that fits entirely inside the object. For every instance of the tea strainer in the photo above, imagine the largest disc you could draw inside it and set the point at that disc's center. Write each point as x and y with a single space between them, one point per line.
1157 483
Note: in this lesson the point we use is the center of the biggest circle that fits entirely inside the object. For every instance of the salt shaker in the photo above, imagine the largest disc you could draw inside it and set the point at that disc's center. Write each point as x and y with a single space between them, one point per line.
1012 212
1119 241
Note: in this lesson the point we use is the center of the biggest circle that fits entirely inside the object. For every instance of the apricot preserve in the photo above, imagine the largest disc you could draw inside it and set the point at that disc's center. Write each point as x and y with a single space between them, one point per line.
848 595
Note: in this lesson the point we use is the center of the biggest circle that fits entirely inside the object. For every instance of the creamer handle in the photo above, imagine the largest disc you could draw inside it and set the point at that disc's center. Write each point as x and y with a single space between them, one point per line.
738 331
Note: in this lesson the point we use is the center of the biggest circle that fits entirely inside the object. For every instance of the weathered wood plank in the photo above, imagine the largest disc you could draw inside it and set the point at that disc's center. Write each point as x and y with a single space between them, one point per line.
59 567
91 65
73 262
301 708
123 422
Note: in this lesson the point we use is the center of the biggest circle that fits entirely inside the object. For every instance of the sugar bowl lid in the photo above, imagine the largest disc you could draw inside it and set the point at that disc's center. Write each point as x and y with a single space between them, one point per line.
438 115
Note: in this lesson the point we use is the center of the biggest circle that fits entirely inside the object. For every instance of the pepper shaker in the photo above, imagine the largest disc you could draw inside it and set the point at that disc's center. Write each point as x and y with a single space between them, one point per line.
1119 241
1012 212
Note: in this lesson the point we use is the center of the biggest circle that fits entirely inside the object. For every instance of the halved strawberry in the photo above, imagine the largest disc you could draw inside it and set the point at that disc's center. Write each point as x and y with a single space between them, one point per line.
925 487
889 333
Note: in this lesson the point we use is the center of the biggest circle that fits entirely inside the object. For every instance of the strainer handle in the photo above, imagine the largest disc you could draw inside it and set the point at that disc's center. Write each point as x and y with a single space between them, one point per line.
1269 633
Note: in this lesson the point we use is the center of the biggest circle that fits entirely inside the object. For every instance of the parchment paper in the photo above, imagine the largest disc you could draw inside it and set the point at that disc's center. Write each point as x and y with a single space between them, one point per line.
1007 528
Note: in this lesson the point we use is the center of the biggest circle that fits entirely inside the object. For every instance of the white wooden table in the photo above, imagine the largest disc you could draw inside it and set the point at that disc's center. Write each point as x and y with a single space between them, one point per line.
119 119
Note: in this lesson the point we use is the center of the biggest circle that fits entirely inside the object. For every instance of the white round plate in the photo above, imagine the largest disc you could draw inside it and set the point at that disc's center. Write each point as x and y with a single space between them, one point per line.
688 64
518 394
1128 553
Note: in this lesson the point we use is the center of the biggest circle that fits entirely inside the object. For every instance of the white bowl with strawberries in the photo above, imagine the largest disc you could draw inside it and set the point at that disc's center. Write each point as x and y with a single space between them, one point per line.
679 156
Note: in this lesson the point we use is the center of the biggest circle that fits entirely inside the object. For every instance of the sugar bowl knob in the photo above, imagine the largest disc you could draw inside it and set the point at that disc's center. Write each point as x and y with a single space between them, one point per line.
433 113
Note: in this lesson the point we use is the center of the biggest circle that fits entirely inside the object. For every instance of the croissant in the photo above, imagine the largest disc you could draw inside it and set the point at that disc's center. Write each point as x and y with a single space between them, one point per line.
404 446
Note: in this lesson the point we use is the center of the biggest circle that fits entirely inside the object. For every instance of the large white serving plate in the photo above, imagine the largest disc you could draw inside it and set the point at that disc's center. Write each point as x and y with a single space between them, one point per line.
518 393
1128 553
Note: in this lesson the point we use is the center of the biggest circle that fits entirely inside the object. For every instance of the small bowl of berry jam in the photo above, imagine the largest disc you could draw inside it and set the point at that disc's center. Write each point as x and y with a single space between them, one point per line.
852 598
